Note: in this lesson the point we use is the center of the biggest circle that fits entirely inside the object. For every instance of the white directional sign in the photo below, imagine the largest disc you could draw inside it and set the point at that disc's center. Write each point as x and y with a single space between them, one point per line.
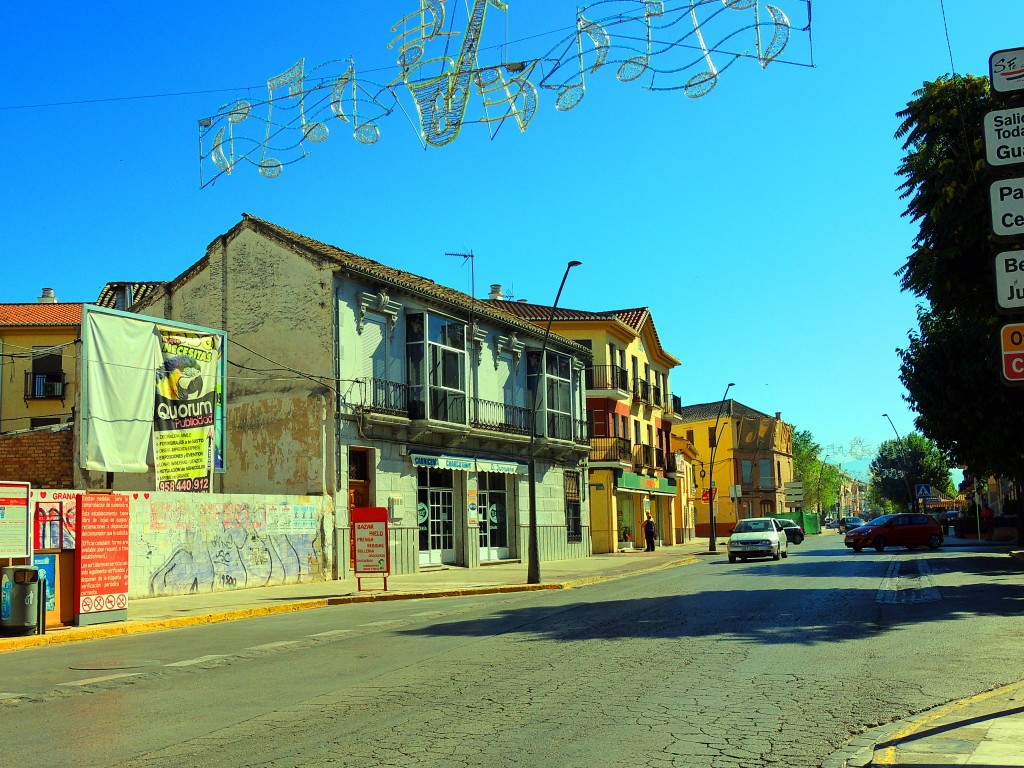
1006 70
1007 197
1004 136
1010 279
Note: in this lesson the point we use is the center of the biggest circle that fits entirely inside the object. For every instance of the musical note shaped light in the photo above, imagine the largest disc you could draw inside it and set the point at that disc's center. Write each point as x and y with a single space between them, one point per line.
661 45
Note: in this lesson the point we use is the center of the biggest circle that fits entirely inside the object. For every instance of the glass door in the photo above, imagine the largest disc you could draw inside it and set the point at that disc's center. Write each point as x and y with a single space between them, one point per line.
435 511
493 519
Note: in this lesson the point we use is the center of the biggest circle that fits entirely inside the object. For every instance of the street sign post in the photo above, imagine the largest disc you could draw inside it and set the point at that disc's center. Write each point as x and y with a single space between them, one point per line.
1012 344
923 491
1007 197
1004 136
1006 70
1009 267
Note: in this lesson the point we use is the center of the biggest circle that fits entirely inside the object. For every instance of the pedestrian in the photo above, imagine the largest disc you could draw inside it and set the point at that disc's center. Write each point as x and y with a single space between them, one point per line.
944 522
649 532
988 518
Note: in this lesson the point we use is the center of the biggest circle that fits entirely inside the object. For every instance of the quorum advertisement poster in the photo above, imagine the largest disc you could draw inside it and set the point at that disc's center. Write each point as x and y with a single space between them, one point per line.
187 410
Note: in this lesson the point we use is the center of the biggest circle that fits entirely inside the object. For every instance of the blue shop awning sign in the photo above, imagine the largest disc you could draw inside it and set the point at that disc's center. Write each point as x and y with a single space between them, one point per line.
464 464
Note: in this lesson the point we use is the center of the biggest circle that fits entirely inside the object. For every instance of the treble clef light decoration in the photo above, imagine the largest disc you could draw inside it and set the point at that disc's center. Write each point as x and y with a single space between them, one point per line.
452 73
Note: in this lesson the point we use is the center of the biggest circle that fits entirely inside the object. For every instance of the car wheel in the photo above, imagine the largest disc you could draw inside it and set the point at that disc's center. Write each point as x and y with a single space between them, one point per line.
934 541
879 543
857 549
777 553
732 558
798 540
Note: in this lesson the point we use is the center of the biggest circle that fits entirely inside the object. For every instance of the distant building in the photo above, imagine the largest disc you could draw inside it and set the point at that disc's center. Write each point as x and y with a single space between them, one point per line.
753 453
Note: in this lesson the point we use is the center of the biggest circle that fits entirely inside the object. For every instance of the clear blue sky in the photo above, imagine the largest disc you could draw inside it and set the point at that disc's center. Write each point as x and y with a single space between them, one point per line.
760 223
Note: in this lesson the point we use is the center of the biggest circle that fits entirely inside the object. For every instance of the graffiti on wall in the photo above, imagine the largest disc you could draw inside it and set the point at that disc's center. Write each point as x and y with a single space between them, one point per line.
234 545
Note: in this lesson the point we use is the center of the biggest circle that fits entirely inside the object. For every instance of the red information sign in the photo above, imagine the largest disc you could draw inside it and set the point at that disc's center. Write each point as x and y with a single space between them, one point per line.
370 543
101 564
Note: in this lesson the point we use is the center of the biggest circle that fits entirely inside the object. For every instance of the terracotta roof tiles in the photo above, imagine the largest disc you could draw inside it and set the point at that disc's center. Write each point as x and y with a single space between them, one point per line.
40 314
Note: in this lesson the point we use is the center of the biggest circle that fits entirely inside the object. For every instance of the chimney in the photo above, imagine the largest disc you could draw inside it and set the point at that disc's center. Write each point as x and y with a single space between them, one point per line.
778 415
495 294
47 297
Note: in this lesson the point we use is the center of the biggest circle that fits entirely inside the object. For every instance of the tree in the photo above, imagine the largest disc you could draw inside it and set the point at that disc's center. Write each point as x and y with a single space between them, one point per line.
951 367
900 465
820 480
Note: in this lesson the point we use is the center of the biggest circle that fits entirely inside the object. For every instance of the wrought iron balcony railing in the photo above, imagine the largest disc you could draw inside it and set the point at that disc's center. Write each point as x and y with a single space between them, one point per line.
607 377
501 417
610 449
43 385
643 456
388 397
642 392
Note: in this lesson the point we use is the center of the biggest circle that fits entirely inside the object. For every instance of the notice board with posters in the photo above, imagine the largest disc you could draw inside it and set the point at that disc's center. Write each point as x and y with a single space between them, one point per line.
370 543
15 538
101 565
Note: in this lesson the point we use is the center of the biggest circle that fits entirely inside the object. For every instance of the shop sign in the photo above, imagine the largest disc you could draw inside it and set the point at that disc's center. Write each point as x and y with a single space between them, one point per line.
370 543
1007 196
1004 136
1012 344
461 463
633 481
504 467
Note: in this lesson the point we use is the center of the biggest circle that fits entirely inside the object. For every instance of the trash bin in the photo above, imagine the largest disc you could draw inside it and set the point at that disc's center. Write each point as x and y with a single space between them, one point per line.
19 599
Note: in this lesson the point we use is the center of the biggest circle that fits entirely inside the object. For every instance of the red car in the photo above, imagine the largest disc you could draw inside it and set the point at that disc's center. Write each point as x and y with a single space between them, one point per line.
902 530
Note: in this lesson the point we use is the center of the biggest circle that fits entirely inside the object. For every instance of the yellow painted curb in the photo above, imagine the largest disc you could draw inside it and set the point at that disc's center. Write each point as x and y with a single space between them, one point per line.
887 755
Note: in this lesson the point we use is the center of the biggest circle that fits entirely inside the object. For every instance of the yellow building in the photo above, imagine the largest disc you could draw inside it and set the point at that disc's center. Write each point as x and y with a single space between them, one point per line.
753 460
38 362
630 412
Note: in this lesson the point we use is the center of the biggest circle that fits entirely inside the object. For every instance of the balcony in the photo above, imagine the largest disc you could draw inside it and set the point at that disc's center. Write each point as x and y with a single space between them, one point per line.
610 450
40 386
671 466
388 397
560 427
582 433
656 394
501 417
642 392
607 377
643 457
659 458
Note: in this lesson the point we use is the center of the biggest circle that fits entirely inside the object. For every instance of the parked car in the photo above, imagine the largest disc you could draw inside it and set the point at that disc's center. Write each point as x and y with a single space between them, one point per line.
758 537
900 530
794 531
849 523
831 523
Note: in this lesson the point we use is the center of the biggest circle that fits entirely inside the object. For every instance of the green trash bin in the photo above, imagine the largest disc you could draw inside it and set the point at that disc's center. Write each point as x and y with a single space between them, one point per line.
19 599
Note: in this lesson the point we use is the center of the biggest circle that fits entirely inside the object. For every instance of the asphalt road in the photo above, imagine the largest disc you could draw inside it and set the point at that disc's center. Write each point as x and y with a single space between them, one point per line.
752 664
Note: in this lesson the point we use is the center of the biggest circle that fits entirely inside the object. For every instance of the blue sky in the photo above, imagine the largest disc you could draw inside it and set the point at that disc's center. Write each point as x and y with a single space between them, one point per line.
760 223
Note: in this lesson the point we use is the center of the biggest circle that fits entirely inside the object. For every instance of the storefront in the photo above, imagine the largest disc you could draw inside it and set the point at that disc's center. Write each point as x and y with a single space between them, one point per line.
463 508
638 495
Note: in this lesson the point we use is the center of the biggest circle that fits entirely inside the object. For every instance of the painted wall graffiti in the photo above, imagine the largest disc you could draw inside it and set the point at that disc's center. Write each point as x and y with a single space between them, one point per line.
245 541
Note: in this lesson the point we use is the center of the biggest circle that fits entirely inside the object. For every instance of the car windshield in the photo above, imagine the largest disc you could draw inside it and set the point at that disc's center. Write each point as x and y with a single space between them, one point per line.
880 520
789 524
753 526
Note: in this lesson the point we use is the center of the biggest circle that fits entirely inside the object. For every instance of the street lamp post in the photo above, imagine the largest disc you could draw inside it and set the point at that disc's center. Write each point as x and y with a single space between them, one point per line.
711 489
906 464
533 556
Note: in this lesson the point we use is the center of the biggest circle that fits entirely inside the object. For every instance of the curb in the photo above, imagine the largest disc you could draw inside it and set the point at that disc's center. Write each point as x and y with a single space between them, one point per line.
133 628
879 743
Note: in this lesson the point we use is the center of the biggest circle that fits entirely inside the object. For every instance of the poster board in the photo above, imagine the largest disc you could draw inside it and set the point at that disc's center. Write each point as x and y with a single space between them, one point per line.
370 548
101 565
15 531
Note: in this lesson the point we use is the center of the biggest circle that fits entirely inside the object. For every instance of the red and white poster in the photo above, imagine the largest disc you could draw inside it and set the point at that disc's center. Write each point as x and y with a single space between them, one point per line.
370 542
14 523
101 565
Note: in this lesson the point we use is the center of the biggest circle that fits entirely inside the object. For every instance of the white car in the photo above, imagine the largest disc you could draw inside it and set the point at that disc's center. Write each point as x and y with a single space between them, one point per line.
758 537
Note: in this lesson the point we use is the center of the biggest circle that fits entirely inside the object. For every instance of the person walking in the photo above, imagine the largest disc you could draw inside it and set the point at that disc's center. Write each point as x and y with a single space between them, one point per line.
649 532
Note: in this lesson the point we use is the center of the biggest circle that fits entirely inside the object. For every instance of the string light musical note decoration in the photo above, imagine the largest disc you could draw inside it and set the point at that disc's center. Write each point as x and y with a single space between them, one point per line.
444 71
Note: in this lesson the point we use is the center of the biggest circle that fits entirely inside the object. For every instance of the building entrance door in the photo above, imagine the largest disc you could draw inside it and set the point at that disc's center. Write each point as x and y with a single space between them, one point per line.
435 511
493 520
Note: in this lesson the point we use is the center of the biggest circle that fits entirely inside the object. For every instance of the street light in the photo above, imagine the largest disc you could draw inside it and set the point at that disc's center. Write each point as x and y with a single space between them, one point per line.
906 464
712 489
533 557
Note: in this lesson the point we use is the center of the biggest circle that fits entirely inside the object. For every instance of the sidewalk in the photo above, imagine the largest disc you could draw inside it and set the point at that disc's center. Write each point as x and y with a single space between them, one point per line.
155 613
984 730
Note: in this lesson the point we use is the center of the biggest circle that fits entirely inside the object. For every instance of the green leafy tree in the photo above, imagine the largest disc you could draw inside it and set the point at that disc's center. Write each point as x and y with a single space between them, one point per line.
951 367
821 480
901 465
